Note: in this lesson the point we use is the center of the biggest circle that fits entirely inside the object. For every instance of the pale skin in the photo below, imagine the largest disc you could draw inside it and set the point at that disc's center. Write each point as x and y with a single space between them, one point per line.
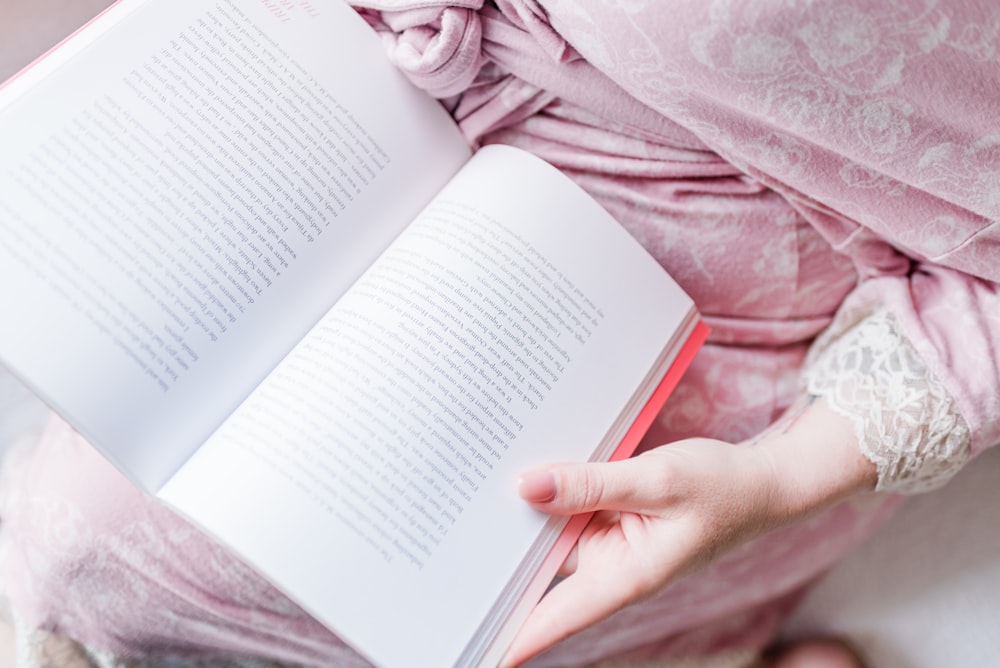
679 506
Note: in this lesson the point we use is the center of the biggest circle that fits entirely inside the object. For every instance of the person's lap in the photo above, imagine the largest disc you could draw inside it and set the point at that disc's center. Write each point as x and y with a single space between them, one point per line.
92 557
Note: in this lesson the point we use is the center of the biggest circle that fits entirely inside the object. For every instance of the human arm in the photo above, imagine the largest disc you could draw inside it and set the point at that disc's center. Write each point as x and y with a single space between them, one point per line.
900 181
678 506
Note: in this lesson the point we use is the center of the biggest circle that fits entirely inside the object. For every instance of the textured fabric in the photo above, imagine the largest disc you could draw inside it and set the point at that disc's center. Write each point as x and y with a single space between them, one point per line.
905 422
782 160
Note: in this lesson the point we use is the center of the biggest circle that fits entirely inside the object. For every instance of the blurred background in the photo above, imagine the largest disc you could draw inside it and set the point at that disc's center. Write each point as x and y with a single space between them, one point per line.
28 28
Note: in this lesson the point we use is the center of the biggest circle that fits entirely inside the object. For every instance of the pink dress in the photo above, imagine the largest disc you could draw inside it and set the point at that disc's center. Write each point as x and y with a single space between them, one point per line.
804 170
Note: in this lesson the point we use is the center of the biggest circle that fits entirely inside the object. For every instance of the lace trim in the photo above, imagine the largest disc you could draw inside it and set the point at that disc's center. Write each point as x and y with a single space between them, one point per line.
905 421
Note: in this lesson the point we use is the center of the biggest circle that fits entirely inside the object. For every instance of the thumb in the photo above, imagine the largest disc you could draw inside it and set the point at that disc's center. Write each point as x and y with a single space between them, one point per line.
569 489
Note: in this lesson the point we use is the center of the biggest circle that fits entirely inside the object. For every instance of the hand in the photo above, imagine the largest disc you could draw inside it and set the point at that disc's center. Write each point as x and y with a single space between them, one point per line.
678 506
660 514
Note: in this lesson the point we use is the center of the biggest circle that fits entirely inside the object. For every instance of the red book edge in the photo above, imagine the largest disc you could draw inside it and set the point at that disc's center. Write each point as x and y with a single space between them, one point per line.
577 523
571 533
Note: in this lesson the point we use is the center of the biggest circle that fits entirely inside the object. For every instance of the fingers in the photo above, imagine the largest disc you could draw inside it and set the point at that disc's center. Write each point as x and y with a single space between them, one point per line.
568 489
574 604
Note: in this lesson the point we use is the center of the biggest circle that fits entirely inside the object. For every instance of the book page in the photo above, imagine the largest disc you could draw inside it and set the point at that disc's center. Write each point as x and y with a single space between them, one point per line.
372 475
186 195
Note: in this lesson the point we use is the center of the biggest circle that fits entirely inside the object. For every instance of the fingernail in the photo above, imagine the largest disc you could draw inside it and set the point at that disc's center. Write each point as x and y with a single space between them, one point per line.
537 486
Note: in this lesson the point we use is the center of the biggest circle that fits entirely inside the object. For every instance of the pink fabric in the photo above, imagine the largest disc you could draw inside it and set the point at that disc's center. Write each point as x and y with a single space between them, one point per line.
768 154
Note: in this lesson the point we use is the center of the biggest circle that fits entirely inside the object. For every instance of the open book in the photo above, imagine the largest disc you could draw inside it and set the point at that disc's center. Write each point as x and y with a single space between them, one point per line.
260 272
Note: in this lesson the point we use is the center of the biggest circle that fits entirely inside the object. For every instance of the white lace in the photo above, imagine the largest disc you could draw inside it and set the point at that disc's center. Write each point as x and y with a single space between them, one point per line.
905 421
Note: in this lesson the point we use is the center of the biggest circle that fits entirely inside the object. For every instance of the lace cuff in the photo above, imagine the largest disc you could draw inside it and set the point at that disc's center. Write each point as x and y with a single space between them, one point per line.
905 421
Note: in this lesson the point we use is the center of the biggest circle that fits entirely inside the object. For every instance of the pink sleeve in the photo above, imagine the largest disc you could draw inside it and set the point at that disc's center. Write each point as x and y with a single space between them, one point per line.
436 43
876 120
953 320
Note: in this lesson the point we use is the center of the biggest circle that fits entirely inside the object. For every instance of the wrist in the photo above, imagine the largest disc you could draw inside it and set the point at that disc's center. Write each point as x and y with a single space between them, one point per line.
814 460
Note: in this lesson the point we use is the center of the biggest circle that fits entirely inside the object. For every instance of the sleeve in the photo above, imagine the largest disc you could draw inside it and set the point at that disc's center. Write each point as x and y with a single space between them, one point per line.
436 43
877 122
905 421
